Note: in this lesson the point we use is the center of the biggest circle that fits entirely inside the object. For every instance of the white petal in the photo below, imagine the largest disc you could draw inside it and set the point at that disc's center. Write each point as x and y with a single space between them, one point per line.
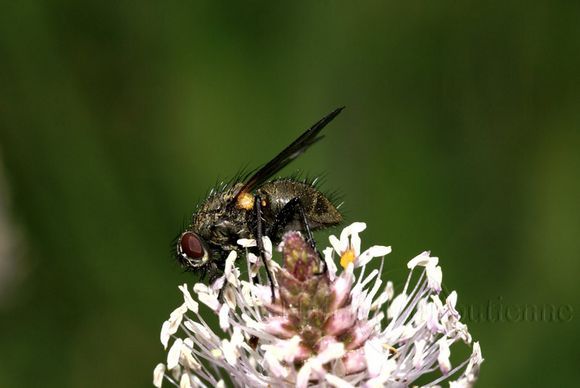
264 294
210 301
381 380
374 357
477 355
345 237
224 317
291 348
432 318
187 359
237 337
217 353
176 316
332 352
419 354
251 323
171 326
475 361
330 264
184 382
230 296
461 383
337 382
283 350
248 294
158 374
303 375
396 306
191 304
247 242
365 306
230 271
379 250
340 289
382 299
434 277
275 367
176 372
443 357
174 353
231 347
286 350
337 245
451 302
388 368
201 287
198 330
354 228
165 334
422 260
252 258
278 326
452 299
390 290
351 232
230 352
462 332
207 296
267 246
369 254
355 243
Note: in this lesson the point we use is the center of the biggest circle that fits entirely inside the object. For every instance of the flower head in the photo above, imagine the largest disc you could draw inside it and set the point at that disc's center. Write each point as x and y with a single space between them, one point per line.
325 327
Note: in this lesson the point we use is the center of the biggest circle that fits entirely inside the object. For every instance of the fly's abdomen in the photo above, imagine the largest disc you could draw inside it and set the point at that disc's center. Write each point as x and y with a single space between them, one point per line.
319 210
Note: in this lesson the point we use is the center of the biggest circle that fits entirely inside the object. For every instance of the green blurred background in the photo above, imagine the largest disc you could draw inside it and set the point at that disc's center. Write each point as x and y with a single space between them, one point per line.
461 135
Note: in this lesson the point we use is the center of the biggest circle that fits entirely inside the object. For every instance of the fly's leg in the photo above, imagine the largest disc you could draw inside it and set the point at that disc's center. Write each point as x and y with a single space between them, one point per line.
214 273
286 215
260 242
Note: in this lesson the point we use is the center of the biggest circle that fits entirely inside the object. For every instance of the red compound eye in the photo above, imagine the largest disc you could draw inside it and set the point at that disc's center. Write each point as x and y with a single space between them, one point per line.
191 245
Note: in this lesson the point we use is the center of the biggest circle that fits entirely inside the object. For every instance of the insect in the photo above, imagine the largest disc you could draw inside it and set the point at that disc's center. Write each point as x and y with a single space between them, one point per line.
256 207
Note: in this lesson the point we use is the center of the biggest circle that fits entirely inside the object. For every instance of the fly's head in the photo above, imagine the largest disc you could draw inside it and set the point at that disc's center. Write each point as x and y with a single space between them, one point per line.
198 248
204 246
192 251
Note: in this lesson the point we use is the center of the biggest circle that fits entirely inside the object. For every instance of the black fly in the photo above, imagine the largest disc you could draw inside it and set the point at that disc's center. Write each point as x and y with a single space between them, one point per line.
255 208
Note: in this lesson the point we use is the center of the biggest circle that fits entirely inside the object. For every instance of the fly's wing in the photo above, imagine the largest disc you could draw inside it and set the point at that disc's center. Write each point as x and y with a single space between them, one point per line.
289 153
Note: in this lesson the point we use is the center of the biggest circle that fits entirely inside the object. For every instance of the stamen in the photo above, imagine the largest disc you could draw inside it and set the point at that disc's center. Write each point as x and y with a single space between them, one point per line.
347 257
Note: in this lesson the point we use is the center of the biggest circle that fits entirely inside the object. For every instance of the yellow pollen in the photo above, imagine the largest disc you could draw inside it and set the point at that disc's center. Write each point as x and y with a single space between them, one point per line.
347 257
390 349
245 201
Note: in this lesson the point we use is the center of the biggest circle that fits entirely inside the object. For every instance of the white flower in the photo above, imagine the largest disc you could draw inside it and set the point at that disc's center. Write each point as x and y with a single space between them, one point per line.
339 329
348 246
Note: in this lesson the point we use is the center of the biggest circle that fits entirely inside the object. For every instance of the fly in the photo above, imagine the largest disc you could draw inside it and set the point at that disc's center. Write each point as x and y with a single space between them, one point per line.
256 207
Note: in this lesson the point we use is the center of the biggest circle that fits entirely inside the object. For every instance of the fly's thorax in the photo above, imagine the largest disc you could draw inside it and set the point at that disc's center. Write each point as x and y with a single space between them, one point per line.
220 224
